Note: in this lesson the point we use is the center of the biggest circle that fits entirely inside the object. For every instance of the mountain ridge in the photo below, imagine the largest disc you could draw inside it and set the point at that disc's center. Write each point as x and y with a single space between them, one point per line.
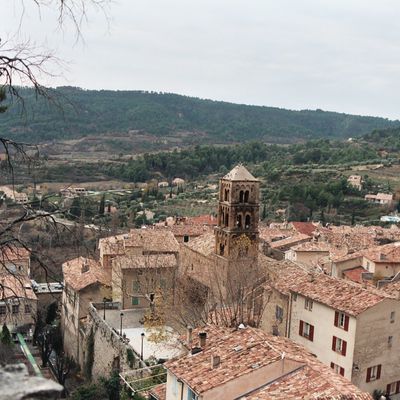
191 119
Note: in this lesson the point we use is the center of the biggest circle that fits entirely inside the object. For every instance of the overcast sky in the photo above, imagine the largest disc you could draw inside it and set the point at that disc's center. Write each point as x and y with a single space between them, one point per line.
339 55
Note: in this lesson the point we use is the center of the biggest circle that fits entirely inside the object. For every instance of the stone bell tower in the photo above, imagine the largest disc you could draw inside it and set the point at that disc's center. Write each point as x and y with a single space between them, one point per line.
236 236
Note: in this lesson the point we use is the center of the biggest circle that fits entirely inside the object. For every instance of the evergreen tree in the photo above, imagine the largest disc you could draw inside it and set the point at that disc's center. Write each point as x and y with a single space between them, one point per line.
6 337
102 204
264 212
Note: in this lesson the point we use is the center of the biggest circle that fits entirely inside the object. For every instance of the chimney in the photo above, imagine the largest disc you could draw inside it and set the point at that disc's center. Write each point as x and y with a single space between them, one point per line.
85 267
203 339
189 336
215 361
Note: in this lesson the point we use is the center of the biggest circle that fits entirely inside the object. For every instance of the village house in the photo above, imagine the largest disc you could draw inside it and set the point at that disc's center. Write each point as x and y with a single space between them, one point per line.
178 182
15 260
308 253
383 199
355 181
21 198
378 261
142 263
334 318
85 281
246 363
18 303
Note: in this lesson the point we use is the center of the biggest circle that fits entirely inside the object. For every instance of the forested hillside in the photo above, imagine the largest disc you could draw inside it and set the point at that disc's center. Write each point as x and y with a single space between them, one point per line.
89 112
388 139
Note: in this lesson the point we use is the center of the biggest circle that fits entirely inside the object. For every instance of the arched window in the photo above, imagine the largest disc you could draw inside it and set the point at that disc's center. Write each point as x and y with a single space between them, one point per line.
246 196
226 195
241 196
239 221
248 221
226 219
221 249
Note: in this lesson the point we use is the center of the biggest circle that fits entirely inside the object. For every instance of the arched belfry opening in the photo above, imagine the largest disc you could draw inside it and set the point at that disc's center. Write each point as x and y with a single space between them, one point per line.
238 211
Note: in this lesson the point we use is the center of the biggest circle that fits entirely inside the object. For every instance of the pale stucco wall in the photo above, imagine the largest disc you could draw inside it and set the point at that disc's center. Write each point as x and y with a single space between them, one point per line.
322 318
372 348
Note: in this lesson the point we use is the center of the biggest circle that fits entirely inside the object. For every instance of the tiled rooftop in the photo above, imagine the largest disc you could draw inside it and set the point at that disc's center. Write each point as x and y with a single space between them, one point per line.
146 261
239 173
78 280
339 294
291 240
152 240
13 253
204 244
12 286
355 274
388 253
306 228
243 351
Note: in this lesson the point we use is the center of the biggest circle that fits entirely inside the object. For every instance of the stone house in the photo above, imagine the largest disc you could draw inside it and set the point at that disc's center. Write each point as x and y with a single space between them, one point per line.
355 181
246 363
383 199
142 262
18 303
85 281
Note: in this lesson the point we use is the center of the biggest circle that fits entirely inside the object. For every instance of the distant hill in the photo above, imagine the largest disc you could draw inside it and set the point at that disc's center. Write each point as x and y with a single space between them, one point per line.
190 120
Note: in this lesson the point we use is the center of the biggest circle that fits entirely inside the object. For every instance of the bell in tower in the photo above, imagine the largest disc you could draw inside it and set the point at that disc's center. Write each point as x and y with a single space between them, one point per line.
236 235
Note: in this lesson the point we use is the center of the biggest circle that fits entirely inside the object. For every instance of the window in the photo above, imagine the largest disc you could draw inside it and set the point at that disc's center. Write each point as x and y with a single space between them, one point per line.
367 265
342 320
27 309
279 313
191 395
306 330
248 221
3 310
339 345
393 388
374 373
294 296
337 368
185 238
163 283
136 286
308 303
390 341
15 309
135 301
246 196
392 315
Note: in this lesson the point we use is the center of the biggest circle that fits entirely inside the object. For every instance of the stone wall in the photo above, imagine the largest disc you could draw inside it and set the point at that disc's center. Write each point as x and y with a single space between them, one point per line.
110 352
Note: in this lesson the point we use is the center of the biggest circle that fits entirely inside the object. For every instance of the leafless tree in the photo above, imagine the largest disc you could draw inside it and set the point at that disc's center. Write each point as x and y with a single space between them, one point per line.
24 63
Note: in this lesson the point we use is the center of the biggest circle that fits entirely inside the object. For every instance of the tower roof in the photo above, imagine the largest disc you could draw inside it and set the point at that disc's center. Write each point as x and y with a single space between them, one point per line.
239 173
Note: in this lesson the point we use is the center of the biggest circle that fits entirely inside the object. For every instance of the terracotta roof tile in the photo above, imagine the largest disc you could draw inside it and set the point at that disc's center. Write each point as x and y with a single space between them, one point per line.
306 228
204 244
146 261
12 286
14 253
81 272
239 173
242 351
339 294
355 274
